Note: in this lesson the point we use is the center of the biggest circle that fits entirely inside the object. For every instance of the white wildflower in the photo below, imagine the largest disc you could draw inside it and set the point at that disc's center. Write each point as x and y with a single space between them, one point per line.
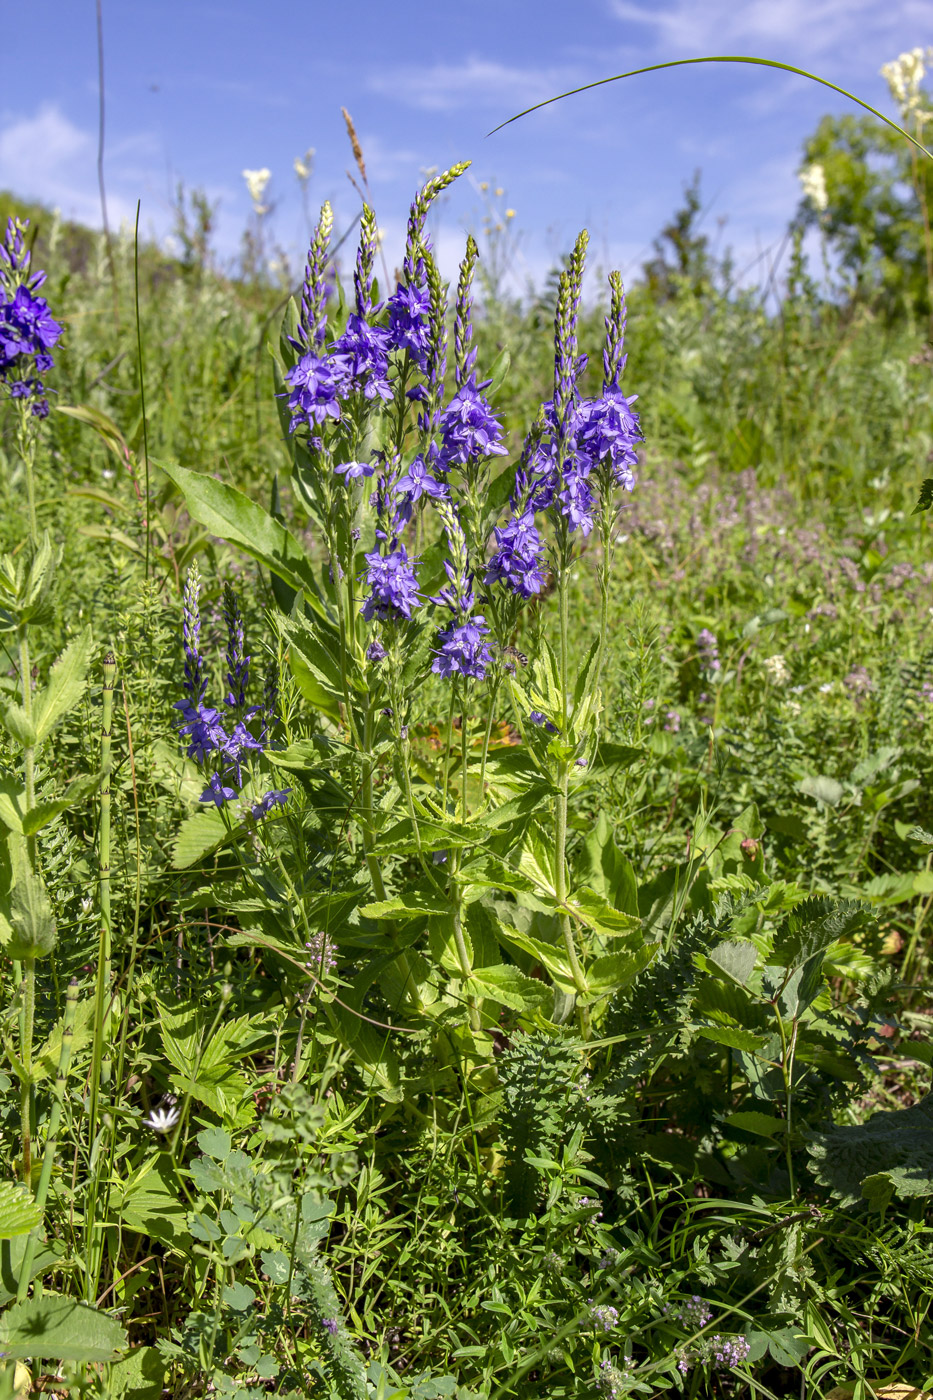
164 1118
904 75
256 182
303 165
776 668
813 182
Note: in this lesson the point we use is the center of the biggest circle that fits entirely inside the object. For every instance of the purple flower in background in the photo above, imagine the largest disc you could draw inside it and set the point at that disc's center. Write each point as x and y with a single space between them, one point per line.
376 652
331 1325
273 798
409 309
217 792
709 650
469 427
237 661
517 560
462 650
393 586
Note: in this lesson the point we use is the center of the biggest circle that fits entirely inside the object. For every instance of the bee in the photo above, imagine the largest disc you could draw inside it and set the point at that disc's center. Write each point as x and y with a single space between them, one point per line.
519 656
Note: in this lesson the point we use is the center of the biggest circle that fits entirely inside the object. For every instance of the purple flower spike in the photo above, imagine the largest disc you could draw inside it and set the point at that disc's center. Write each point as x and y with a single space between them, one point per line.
393 586
469 427
27 329
365 257
314 291
609 429
418 482
195 676
352 471
359 360
517 561
317 386
463 651
464 355
409 309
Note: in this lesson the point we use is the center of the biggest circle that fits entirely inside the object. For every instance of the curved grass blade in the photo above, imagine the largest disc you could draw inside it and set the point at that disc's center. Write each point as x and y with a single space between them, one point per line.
719 58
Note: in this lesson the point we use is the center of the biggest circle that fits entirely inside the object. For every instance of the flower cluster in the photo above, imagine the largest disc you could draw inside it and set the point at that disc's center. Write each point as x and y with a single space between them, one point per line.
721 1353
708 647
463 650
27 329
613 1379
694 1312
209 740
603 1318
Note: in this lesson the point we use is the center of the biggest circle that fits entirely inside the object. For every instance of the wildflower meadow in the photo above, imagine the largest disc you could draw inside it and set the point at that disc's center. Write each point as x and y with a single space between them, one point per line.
465 807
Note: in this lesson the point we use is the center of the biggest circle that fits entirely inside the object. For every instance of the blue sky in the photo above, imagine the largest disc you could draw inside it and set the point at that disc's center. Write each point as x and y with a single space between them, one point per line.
198 90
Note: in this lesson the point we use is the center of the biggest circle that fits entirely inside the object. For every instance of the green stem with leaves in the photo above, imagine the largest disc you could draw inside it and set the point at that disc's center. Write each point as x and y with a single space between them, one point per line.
51 1141
563 782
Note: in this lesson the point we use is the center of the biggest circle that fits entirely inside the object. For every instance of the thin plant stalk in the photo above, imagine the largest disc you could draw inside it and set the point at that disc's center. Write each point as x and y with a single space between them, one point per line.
26 444
27 1018
51 1141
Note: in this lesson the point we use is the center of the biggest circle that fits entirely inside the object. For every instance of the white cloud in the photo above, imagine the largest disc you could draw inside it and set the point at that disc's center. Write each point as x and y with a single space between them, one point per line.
805 28
48 158
448 86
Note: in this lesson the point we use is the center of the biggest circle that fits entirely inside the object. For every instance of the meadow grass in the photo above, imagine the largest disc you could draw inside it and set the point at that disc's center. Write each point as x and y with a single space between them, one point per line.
479 1064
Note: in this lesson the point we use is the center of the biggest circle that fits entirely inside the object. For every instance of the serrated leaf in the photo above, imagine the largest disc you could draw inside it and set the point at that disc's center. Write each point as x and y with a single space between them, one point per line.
65 687
34 930
12 804
734 1038
18 1211
17 724
411 905
55 1328
615 971
197 837
44 812
735 958
925 499
509 986
598 914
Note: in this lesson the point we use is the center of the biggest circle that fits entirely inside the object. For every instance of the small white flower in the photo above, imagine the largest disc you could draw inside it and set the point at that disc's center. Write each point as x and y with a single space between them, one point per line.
256 181
813 182
164 1118
826 688
903 76
303 165
776 668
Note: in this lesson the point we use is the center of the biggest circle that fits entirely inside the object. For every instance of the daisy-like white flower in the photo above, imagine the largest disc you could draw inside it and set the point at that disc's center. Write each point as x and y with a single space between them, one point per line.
164 1118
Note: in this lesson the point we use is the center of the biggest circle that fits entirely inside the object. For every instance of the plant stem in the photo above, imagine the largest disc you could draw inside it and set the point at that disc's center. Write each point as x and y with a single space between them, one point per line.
563 778
26 442
29 964
51 1141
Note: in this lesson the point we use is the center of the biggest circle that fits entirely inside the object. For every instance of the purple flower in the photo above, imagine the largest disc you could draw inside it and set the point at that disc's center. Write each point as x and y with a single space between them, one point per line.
536 717
240 742
709 649
393 586
26 326
204 728
604 1318
352 471
331 1325
409 309
607 427
361 360
462 650
316 386
273 798
195 678
419 482
469 427
576 502
376 651
517 560
216 792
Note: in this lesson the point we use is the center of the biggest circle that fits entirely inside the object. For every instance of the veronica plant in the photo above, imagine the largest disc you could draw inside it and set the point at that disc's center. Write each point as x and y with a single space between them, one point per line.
427 548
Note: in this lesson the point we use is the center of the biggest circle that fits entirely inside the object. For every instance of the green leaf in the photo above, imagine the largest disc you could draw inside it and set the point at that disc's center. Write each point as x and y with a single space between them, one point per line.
17 725
751 1121
898 1142
602 866
827 791
18 1211
12 804
615 757
925 500
549 956
197 837
149 1202
508 986
615 971
55 1328
735 1038
44 812
34 931
412 905
45 1063
138 1376
598 914
735 958
65 687
232 516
